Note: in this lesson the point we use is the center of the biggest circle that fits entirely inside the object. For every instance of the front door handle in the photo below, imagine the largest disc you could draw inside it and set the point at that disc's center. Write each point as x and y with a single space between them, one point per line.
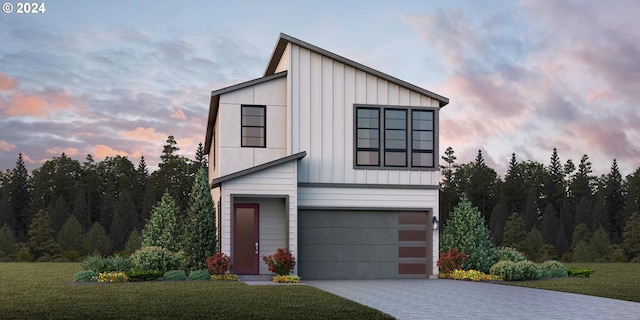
257 248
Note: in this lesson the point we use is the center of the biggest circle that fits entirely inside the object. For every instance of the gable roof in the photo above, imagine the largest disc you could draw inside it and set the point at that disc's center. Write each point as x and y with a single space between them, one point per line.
285 39
218 181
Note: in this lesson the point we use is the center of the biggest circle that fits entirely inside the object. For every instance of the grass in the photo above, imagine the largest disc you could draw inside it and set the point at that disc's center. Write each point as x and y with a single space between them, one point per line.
45 291
610 280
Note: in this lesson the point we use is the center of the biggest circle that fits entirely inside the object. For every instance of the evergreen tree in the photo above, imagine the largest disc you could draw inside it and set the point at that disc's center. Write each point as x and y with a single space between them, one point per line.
448 192
482 186
599 246
142 182
533 244
614 200
124 220
498 220
91 182
59 213
162 229
514 232
200 230
514 188
582 252
133 243
466 232
97 241
631 236
20 193
550 224
7 216
600 212
584 212
531 214
71 238
41 241
632 198
554 192
7 243
201 160
580 234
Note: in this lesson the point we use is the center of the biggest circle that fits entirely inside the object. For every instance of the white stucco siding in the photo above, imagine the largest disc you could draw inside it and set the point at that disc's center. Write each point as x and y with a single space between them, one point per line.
276 182
232 156
323 93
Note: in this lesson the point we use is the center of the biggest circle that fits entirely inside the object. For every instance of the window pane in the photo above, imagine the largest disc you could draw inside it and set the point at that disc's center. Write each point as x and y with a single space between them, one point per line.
367 113
367 158
252 142
395 159
252 121
368 143
368 134
422 124
422 159
422 135
253 111
396 135
395 124
253 132
395 114
422 145
368 123
422 115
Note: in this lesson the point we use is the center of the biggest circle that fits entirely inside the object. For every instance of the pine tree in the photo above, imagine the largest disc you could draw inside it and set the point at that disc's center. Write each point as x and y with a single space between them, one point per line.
7 216
97 241
466 232
599 246
448 190
59 213
201 160
71 238
200 230
483 186
7 243
614 199
533 244
550 224
631 236
498 220
124 220
514 188
133 243
580 234
514 232
20 193
41 241
162 229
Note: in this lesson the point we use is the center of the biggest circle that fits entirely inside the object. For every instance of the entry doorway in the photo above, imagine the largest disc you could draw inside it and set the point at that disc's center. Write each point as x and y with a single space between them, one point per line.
246 242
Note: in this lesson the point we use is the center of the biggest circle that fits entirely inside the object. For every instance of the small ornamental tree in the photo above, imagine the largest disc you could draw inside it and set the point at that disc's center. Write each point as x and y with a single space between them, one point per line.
200 228
162 229
281 263
466 232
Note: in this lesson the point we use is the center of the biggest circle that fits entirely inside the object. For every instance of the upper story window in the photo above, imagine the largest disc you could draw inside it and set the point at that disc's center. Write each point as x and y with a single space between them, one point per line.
368 137
405 141
254 126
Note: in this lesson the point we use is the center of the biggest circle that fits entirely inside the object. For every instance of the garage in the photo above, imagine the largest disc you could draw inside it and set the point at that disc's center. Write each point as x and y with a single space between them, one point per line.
339 244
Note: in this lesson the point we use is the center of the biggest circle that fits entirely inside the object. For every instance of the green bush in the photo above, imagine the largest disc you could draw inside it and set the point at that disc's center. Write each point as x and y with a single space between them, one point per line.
157 258
580 272
509 254
554 268
85 276
175 275
143 275
118 263
96 263
199 275
513 271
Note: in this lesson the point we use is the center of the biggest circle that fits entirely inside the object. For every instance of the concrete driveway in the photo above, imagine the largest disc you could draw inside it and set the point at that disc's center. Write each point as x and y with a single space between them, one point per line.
450 299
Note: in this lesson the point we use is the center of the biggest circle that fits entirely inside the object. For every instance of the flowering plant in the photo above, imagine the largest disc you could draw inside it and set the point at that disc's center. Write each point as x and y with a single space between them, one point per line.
281 263
218 264
286 279
451 260
473 275
225 277
112 277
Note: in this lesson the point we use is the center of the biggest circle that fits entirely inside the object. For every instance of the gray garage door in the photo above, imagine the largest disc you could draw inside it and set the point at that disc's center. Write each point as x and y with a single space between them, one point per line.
363 244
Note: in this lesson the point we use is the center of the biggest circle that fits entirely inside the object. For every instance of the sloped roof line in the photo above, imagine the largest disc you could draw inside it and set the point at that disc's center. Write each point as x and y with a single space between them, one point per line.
218 181
282 44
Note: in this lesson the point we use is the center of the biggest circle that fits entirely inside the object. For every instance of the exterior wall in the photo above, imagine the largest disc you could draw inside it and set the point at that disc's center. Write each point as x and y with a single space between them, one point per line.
275 182
283 64
214 152
232 157
323 93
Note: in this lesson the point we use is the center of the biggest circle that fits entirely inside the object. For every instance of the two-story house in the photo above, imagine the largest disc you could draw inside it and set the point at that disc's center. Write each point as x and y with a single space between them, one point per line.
332 159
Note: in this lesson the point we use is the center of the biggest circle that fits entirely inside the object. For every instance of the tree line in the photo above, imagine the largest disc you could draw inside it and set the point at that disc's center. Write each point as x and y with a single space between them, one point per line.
547 210
112 197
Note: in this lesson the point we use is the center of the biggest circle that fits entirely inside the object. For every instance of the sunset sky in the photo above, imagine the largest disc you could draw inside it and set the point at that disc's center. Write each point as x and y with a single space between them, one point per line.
118 77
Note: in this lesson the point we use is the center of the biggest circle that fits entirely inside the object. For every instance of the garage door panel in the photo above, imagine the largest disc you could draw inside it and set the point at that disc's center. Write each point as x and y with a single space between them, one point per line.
363 244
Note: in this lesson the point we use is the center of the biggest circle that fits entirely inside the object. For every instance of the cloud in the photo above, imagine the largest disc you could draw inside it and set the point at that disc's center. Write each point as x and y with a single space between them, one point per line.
101 151
57 151
145 134
7 83
179 114
38 105
6 146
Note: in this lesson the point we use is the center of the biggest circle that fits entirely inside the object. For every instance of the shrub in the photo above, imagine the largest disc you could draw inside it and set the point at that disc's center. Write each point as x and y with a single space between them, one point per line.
473 275
96 263
580 272
199 275
511 271
218 264
85 276
281 263
23 253
530 270
286 279
509 254
224 277
174 275
118 263
143 275
451 260
72 255
156 258
555 268
115 276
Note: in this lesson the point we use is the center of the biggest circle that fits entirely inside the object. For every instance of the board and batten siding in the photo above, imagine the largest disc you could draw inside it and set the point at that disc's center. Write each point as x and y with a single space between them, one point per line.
279 182
322 94
232 156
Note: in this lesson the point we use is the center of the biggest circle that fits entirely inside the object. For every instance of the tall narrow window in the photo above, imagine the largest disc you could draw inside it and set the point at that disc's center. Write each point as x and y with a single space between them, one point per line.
395 138
254 126
367 137
422 139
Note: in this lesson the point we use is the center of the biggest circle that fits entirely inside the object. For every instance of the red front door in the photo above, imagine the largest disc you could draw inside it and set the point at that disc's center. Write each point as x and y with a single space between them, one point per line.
246 244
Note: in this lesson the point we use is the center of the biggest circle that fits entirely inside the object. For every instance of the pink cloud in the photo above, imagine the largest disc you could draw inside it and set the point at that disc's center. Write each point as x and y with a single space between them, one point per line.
37 105
68 151
6 146
145 134
7 83
26 158
179 114
101 151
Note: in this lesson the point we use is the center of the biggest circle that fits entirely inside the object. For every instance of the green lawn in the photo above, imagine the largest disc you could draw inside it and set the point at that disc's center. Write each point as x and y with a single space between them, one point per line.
45 291
610 280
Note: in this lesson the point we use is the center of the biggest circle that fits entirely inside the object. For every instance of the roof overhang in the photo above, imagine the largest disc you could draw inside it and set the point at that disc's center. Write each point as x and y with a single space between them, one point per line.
218 181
